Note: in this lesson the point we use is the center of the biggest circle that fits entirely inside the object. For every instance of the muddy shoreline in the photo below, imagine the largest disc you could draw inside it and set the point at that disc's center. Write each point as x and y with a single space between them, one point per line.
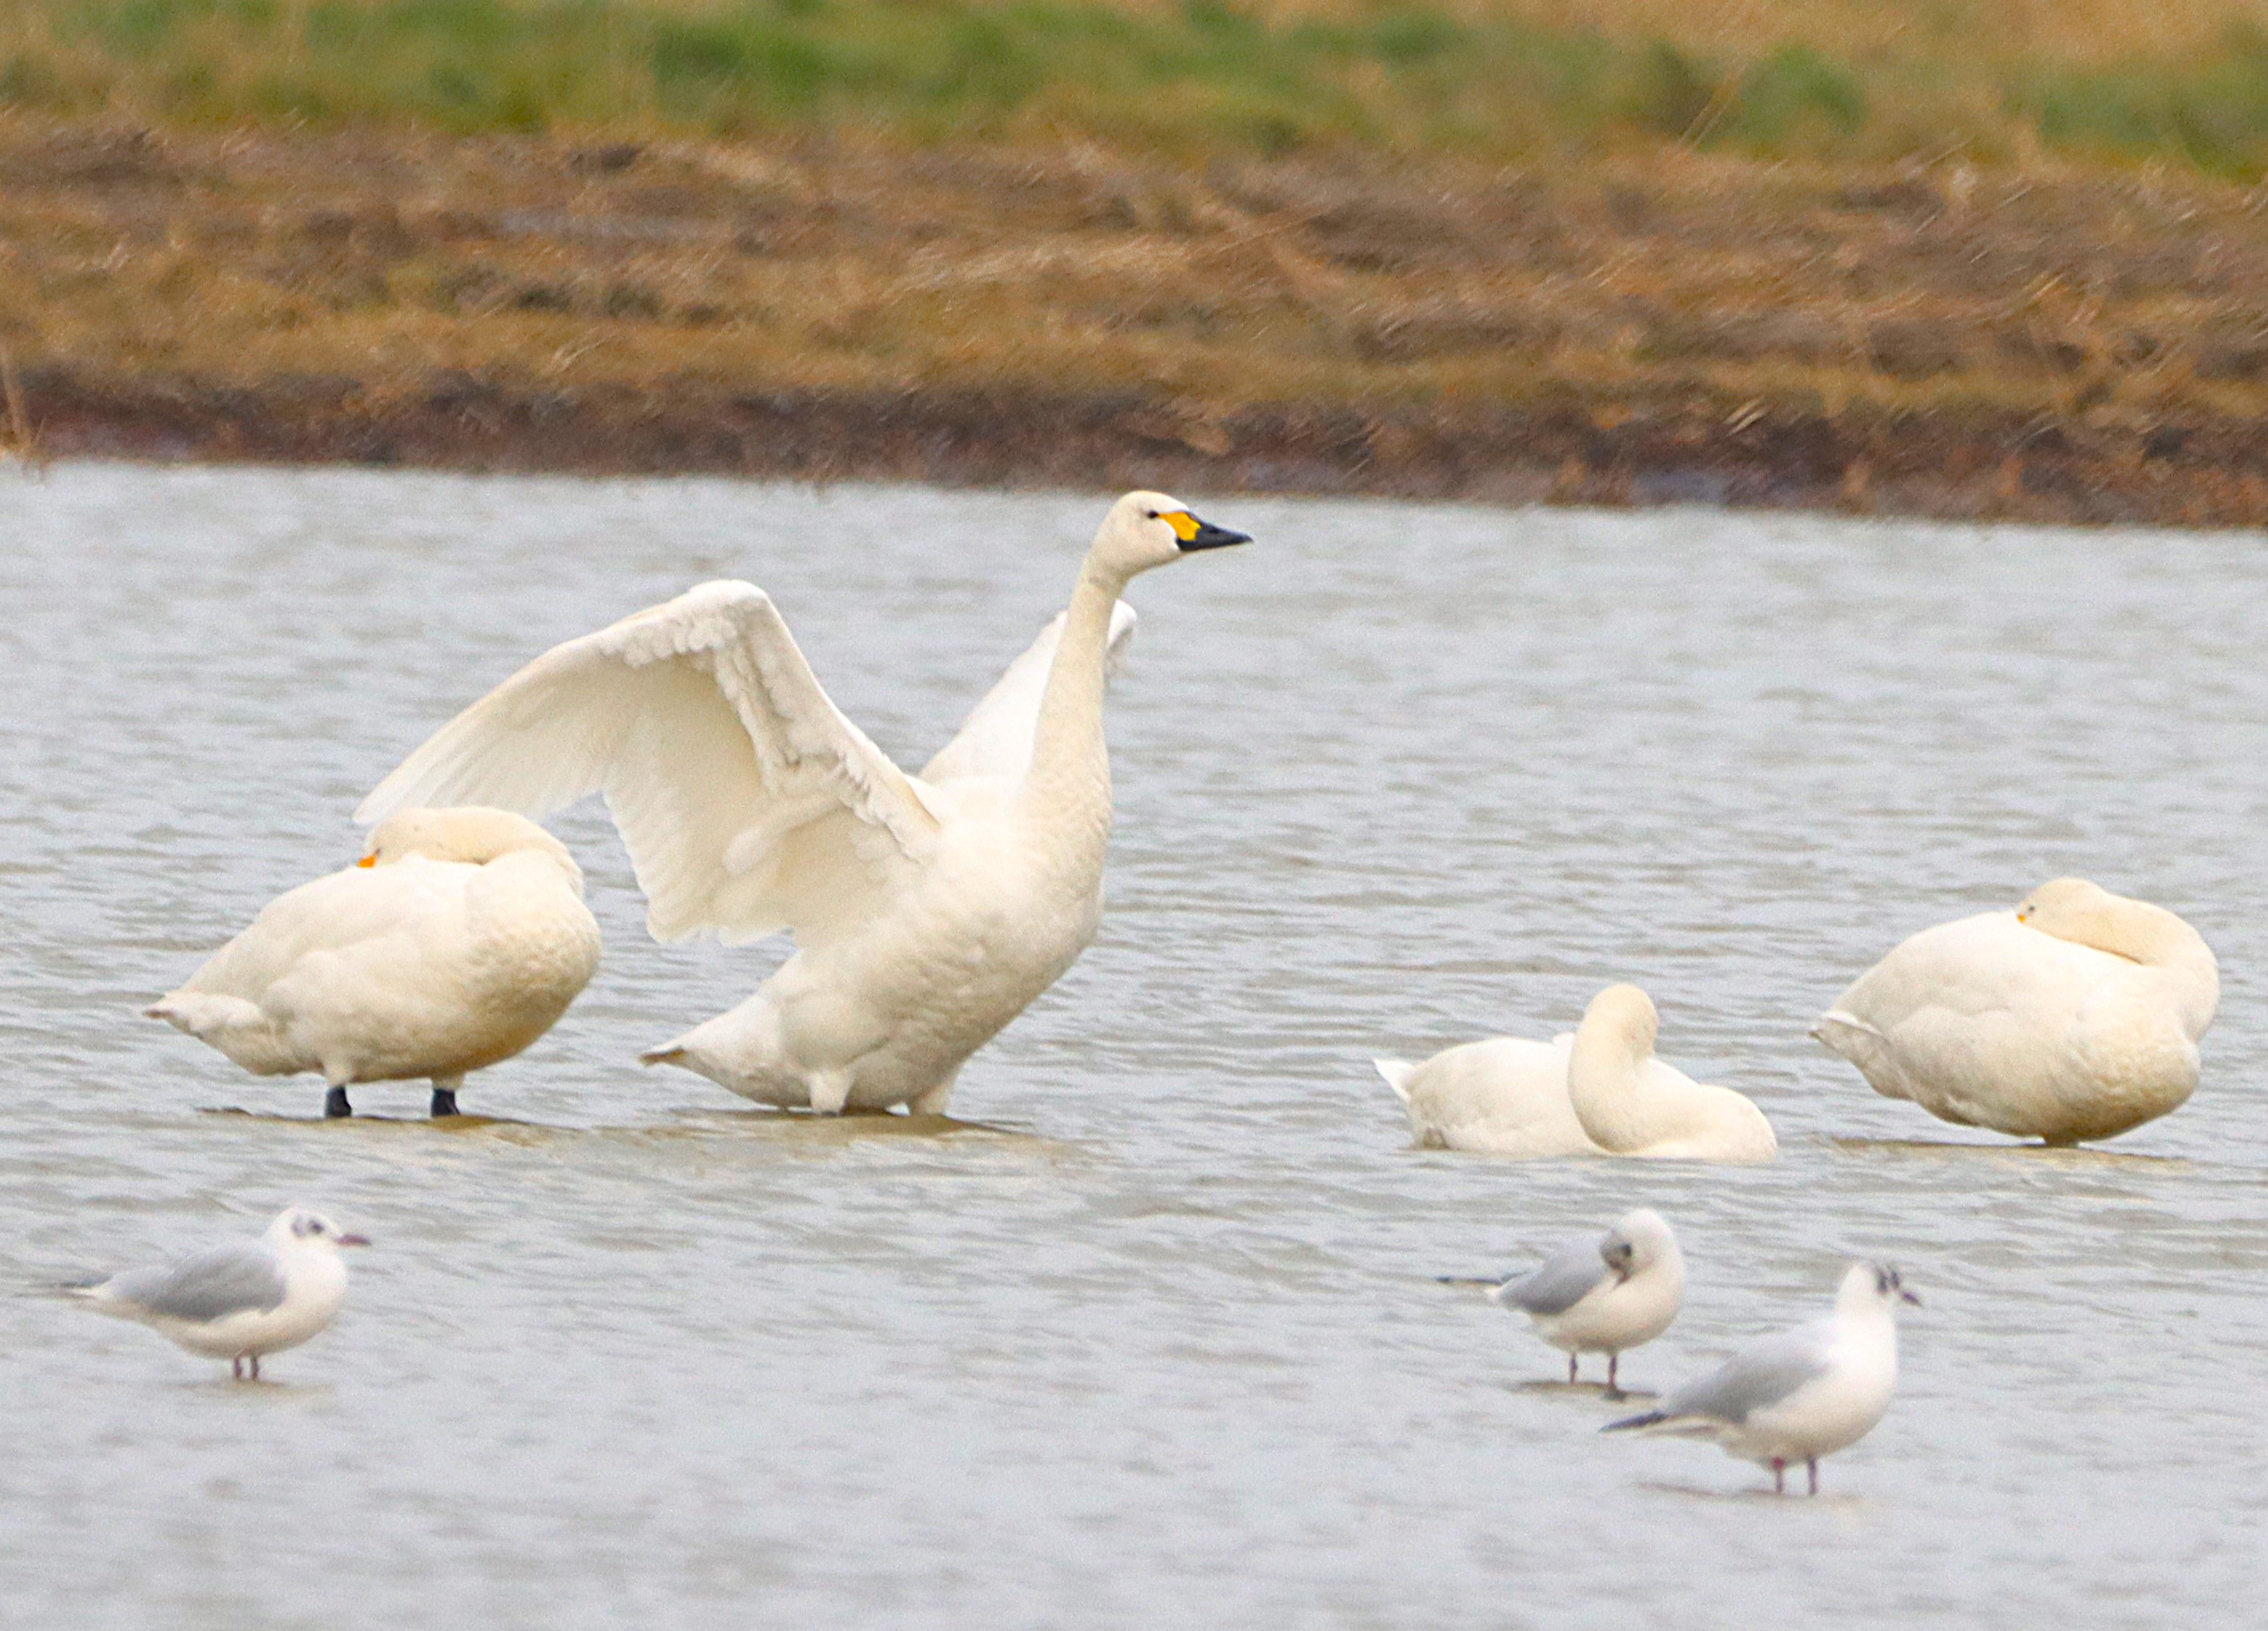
2200 475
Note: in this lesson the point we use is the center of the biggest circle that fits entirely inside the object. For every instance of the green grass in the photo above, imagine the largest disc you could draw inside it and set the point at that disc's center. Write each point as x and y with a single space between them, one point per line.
1199 78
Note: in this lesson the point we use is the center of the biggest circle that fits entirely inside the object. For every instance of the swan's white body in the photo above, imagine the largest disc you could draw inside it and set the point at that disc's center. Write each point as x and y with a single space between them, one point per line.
928 912
2076 1017
458 941
239 1302
1599 1091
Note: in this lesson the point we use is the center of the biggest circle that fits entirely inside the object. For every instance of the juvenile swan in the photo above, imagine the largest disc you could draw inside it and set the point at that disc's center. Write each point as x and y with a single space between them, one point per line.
927 911
459 938
2075 1016
1803 1393
1604 1295
239 1303
1598 1092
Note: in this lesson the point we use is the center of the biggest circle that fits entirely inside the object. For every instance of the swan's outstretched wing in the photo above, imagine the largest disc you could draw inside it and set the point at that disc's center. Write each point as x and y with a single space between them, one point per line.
748 803
996 739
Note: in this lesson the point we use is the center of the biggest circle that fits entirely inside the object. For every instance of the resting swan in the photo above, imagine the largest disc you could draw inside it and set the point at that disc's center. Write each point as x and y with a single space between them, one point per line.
1599 1091
459 938
2075 1016
928 912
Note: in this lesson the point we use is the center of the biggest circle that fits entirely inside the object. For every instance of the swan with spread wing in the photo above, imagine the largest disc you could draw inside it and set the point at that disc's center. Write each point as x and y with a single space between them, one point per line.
928 911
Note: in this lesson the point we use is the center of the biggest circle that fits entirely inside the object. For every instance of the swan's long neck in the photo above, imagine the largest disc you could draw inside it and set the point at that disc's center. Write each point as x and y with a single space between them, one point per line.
1069 784
1602 1087
2162 942
2158 940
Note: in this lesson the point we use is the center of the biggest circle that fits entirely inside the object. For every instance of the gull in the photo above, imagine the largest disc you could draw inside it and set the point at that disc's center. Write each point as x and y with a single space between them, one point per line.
1606 1294
928 911
1800 1394
238 1301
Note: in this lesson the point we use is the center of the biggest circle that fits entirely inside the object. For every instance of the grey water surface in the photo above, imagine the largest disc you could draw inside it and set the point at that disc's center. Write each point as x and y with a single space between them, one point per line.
1157 1342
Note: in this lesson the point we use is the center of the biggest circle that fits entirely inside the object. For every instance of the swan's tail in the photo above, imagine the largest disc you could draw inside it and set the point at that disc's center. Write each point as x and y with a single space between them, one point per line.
1846 1033
668 1053
203 1014
1397 1073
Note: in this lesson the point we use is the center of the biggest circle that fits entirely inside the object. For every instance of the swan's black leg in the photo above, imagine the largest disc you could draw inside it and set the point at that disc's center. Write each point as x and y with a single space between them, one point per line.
1570 1370
1613 1389
1779 1476
445 1100
1814 1464
335 1105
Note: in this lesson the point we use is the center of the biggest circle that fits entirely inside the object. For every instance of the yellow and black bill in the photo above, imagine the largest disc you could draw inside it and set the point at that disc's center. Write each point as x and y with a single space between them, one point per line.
1196 535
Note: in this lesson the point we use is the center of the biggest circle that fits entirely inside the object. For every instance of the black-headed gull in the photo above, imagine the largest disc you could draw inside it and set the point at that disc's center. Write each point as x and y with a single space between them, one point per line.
1603 1295
1800 1394
239 1301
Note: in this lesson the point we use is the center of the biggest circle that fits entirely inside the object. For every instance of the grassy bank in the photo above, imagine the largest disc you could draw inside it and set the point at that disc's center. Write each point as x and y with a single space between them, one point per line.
2056 345
2184 84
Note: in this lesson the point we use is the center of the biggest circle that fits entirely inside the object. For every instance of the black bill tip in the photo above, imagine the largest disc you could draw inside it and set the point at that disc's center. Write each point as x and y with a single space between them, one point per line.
1208 536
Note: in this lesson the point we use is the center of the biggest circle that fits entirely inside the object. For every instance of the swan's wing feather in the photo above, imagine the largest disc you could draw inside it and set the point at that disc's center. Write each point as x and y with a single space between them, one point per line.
1568 1276
212 1285
332 913
996 739
748 801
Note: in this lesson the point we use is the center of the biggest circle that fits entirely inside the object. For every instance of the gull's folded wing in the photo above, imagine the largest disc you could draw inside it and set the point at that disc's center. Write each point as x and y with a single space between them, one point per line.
1572 1273
748 803
996 739
212 1285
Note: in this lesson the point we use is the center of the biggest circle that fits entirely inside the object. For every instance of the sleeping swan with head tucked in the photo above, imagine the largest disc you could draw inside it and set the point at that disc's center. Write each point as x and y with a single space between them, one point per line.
928 911
459 938
1599 1091
2075 1016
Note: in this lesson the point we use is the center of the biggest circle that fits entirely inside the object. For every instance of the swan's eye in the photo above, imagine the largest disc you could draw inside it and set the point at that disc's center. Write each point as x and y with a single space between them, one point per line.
1152 514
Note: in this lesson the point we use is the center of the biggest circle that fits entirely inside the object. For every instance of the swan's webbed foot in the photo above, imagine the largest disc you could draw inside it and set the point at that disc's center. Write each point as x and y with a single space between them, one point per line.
336 1107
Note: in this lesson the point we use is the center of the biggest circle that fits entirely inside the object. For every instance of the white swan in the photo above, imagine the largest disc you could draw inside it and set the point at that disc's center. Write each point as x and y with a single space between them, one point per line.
2075 1016
459 938
1598 1092
928 912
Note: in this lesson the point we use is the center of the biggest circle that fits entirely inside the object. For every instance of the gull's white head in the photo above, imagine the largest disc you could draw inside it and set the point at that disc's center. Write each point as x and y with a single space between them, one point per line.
1638 1240
1146 529
302 1228
471 833
1868 1286
1624 1012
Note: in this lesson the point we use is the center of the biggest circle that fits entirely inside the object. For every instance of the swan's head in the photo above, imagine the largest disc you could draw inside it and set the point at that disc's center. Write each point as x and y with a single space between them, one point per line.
302 1227
1638 1240
1626 1013
2063 903
1146 529
470 834
1872 1285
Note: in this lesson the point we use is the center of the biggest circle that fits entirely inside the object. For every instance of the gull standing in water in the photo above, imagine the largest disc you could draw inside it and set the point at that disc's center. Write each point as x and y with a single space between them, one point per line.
928 911
1800 1394
239 1301
1606 1294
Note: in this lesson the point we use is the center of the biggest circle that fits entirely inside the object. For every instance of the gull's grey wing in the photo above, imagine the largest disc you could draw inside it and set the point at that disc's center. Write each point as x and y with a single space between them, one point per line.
212 1285
1568 1276
1758 1377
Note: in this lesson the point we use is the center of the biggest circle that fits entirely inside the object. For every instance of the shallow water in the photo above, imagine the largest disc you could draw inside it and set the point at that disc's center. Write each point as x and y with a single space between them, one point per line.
1157 1342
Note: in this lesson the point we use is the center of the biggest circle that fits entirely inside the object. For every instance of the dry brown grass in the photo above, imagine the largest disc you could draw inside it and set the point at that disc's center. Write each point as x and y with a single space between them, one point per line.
1902 323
